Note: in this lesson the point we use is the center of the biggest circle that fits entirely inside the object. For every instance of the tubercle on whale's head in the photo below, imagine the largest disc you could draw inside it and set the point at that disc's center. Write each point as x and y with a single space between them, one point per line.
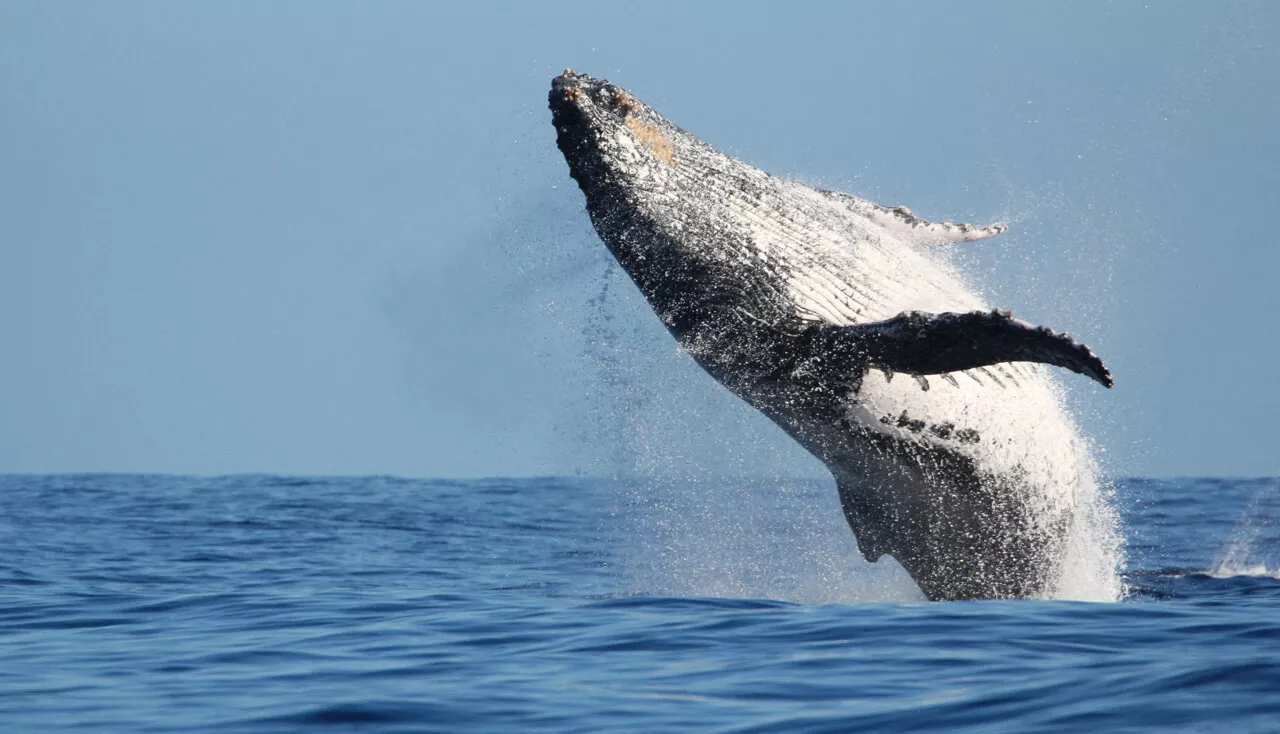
607 135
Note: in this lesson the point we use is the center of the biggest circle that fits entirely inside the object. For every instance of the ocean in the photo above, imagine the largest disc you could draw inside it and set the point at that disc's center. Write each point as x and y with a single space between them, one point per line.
143 603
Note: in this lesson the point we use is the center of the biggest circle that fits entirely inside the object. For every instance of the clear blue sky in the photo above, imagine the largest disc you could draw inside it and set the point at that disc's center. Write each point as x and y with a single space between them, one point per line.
337 238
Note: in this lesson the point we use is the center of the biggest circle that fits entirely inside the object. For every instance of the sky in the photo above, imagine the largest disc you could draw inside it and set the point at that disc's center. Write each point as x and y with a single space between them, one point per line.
337 238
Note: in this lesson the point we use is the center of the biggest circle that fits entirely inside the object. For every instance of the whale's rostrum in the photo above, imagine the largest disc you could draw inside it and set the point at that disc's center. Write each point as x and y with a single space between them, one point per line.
946 434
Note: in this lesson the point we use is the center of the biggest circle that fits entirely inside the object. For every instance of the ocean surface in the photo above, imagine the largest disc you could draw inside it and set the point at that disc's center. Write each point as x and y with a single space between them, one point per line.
284 604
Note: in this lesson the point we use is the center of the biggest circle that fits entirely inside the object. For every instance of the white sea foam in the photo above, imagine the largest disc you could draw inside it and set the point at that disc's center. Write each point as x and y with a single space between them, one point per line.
1091 567
1259 570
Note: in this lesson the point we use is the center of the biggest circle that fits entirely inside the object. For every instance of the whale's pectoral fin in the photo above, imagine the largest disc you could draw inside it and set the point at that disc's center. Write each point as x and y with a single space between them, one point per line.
918 231
901 222
929 344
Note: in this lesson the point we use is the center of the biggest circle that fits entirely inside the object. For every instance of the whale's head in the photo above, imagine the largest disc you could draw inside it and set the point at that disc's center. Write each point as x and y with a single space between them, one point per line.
646 188
610 139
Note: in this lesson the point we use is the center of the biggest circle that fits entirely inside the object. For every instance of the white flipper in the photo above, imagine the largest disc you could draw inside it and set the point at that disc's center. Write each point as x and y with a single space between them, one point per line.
903 224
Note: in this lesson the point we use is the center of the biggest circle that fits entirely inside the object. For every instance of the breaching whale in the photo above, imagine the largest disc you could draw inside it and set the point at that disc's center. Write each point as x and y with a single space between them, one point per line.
806 304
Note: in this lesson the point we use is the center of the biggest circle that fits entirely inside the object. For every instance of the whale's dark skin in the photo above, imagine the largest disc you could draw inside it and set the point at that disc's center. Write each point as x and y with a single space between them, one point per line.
805 304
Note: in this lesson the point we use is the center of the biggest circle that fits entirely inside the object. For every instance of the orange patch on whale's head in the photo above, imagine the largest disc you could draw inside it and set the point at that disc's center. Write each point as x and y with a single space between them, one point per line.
654 139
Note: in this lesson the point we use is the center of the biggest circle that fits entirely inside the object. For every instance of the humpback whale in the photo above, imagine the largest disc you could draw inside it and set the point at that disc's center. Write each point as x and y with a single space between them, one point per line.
937 416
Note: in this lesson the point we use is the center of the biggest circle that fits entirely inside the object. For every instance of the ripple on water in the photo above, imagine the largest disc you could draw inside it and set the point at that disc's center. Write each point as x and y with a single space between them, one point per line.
377 604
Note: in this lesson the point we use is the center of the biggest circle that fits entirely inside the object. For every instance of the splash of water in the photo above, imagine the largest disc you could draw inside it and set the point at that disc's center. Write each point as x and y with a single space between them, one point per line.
1094 556
1247 551
751 538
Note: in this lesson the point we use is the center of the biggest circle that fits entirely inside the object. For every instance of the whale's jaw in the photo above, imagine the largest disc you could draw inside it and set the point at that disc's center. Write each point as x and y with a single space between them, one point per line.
578 113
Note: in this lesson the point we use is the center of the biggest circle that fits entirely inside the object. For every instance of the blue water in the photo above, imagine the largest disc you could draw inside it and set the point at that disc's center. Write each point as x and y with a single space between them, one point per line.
278 604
